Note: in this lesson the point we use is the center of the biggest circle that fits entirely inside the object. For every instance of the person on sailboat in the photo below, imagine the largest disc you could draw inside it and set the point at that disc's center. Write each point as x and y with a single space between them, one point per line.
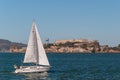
16 67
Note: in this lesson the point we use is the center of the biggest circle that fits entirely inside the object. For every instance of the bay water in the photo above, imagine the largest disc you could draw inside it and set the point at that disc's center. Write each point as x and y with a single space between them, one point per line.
70 66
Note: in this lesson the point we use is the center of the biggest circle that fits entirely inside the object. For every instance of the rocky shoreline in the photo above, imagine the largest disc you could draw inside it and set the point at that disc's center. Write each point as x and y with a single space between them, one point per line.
79 46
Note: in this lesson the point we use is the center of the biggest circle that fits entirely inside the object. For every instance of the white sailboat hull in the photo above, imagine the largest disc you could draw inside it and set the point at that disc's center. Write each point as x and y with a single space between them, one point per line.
32 69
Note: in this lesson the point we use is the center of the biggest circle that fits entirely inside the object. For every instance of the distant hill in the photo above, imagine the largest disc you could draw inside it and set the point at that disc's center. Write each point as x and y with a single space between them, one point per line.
6 44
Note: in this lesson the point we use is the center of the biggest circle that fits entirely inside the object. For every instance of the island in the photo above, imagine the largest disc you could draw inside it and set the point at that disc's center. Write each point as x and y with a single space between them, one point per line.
80 46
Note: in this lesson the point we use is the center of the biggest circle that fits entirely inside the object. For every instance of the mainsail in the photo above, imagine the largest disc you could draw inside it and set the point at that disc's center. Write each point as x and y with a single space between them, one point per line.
35 52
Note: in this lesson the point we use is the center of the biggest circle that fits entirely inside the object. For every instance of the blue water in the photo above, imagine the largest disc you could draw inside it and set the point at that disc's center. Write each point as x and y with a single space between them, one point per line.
65 67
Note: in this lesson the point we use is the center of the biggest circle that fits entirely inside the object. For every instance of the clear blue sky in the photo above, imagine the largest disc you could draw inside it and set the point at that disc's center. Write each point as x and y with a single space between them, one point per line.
61 19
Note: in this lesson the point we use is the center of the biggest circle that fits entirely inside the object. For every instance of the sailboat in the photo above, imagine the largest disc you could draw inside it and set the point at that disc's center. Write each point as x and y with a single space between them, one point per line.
35 55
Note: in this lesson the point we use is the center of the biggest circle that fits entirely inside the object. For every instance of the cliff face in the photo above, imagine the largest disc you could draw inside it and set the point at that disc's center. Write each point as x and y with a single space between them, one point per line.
71 46
80 46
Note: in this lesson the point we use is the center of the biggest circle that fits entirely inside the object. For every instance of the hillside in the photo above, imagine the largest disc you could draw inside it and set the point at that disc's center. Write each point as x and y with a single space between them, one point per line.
6 44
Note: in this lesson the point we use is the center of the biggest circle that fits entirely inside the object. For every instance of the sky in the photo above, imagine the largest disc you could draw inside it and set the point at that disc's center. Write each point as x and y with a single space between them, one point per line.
61 19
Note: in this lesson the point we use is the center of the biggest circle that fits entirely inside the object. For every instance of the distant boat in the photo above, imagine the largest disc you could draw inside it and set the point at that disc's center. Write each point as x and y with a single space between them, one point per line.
35 56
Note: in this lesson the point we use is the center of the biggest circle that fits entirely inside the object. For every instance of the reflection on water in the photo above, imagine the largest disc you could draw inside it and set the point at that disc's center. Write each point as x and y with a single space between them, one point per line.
36 76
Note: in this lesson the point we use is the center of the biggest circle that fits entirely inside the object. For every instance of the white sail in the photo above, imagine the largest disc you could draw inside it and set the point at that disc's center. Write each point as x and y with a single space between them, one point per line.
35 52
30 55
42 55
